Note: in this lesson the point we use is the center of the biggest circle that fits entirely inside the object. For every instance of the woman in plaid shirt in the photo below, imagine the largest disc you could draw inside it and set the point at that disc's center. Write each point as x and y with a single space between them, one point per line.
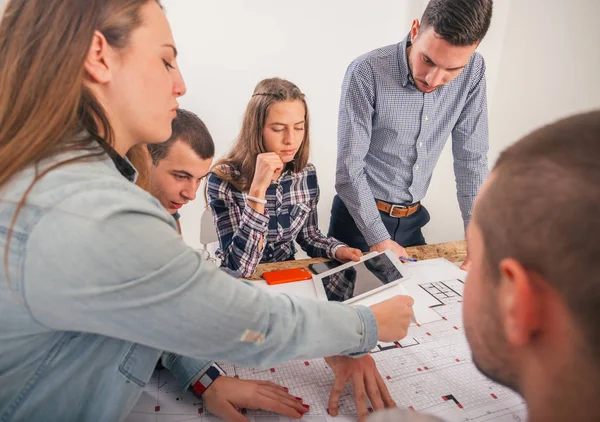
264 193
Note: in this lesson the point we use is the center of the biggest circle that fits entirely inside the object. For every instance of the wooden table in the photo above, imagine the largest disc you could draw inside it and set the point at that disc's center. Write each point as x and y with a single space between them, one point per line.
452 251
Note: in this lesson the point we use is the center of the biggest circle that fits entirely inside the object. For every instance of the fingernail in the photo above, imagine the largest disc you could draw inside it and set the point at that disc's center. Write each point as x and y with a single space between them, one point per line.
286 389
306 406
300 413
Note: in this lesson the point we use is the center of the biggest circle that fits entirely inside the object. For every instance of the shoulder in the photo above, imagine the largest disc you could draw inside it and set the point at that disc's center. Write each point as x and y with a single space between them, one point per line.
221 191
475 69
308 172
220 176
379 59
306 180
90 194
75 179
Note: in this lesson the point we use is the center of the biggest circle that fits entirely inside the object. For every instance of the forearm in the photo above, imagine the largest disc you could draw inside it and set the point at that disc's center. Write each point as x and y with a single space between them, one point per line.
359 201
242 250
185 370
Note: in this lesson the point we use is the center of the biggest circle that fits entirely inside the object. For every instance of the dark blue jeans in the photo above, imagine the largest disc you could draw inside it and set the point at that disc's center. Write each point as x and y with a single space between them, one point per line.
406 231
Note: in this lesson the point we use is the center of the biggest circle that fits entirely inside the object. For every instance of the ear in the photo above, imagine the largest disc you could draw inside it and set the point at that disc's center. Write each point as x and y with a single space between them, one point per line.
97 60
519 302
414 30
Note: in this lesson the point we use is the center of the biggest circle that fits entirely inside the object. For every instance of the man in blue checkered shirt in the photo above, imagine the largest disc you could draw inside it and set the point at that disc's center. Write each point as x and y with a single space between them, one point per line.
399 105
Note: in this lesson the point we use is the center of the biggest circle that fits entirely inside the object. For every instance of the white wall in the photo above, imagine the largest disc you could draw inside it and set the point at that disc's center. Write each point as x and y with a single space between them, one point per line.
540 56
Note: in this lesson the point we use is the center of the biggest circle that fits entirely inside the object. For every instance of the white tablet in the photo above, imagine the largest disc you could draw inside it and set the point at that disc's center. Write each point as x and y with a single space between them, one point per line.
356 280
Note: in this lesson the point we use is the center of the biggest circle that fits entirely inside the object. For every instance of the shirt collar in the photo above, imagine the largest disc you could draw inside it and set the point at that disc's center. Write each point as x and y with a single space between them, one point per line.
122 164
405 75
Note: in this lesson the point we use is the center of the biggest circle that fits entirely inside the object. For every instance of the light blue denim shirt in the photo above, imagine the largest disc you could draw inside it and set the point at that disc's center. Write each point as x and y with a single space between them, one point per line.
100 286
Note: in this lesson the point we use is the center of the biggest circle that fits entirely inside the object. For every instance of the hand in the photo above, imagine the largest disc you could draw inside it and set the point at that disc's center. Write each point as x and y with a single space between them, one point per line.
346 254
267 164
226 395
393 317
466 263
391 245
366 382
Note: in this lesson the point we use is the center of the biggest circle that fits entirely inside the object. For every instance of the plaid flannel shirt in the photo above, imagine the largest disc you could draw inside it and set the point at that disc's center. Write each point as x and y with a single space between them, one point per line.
290 214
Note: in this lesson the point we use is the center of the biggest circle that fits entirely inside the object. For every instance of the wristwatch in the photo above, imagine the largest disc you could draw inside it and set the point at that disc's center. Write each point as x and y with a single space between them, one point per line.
206 380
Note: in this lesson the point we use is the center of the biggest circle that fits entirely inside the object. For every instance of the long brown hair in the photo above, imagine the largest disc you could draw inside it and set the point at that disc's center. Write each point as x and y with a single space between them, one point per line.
242 157
43 101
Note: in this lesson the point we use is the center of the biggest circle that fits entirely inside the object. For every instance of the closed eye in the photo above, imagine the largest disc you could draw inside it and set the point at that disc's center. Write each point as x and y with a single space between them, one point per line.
168 65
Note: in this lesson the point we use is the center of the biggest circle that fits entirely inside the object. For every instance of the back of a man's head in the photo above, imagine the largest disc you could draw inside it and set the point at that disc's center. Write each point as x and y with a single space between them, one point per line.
459 22
543 210
189 128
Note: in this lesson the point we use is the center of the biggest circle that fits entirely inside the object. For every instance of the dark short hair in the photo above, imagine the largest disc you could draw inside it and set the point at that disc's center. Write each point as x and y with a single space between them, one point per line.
459 22
542 208
188 128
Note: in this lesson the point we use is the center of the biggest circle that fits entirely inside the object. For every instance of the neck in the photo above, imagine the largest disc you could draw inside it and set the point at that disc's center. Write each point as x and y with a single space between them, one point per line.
560 381
573 398
122 146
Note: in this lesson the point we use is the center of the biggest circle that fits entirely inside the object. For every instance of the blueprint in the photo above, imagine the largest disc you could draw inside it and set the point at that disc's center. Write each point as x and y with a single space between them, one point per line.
428 371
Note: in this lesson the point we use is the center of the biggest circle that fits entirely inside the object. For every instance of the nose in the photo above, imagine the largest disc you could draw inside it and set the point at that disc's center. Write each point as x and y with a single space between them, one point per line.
179 88
289 137
435 77
189 192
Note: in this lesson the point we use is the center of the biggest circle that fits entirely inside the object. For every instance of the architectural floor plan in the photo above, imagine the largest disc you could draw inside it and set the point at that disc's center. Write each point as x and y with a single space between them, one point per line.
429 371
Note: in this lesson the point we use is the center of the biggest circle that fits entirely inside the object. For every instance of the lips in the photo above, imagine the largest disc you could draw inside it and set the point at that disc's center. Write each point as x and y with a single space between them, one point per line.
288 151
176 206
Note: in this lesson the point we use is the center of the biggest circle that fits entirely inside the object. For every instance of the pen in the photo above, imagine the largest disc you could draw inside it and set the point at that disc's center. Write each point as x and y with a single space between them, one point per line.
405 258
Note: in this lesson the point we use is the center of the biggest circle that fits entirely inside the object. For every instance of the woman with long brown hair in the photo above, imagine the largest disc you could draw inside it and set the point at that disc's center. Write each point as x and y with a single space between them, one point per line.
95 282
264 193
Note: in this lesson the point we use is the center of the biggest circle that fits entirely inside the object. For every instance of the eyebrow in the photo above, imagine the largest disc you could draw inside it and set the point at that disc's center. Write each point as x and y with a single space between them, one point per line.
284 124
433 63
183 172
173 47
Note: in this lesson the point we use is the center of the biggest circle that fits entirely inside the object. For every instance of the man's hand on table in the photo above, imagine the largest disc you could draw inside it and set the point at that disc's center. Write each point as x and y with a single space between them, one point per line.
467 262
227 395
391 245
366 383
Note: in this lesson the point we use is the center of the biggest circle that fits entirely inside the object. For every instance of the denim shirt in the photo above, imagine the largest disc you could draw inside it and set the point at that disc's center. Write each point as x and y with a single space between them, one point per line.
99 286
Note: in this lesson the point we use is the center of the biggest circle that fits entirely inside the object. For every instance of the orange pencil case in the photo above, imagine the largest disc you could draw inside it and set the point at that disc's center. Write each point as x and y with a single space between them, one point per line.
287 276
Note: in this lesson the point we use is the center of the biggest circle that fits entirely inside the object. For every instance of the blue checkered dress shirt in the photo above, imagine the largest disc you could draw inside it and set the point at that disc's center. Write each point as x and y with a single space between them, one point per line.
391 135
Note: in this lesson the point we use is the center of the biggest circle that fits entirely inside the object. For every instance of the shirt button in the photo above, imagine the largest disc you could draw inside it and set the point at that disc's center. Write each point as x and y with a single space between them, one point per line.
420 144
426 118
417 167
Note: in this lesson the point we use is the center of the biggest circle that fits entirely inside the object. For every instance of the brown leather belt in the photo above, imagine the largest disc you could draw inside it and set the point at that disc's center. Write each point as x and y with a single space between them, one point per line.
397 211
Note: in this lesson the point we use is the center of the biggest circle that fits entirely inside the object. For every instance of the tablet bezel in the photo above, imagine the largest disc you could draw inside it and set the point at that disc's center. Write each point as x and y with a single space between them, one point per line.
392 257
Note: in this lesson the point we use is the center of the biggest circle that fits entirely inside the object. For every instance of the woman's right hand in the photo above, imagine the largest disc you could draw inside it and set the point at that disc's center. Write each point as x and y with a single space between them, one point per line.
393 317
267 164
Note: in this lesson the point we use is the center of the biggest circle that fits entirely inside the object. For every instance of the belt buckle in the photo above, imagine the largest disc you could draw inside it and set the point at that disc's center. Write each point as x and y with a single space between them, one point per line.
396 206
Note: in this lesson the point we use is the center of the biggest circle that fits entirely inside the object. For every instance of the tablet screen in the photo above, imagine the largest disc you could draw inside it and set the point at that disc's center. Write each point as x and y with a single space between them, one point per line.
360 278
